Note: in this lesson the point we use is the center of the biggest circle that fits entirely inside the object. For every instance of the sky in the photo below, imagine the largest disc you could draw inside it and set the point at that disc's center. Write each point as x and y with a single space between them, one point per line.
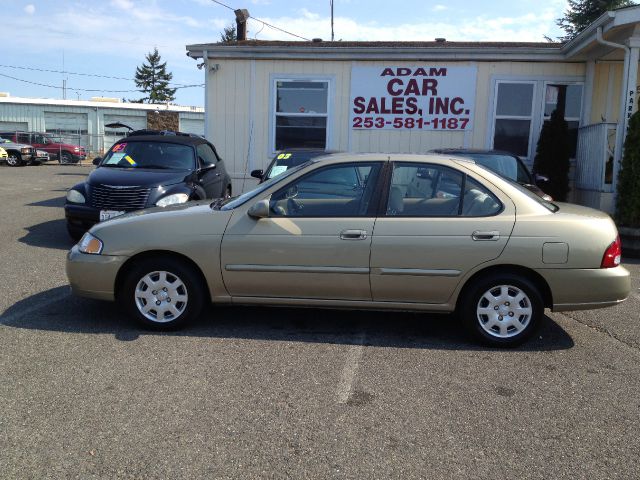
110 38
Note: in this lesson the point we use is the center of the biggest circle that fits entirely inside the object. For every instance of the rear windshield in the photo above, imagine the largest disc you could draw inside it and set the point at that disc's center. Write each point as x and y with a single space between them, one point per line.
158 155
286 160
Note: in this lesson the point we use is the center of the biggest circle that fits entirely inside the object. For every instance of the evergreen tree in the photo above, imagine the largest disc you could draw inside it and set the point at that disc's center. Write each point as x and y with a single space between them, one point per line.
628 199
153 79
229 35
552 155
581 13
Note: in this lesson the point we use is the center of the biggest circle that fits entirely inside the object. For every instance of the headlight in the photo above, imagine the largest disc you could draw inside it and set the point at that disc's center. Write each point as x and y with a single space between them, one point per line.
74 196
25 150
76 149
172 199
90 244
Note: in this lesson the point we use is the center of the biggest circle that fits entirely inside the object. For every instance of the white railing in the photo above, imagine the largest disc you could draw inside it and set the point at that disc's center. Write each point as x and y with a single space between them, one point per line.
594 157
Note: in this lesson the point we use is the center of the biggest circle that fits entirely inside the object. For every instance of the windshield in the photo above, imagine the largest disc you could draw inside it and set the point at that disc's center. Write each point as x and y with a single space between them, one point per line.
506 165
150 155
234 202
287 160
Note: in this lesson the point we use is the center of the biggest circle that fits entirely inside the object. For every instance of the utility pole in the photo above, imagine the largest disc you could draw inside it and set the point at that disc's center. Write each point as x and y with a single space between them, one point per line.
331 2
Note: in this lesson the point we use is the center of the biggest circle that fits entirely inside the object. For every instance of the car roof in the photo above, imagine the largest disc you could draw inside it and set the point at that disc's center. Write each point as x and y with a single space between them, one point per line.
394 157
182 140
471 151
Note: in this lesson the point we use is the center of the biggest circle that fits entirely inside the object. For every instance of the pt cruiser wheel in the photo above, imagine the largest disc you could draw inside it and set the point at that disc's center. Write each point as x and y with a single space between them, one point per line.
162 293
502 310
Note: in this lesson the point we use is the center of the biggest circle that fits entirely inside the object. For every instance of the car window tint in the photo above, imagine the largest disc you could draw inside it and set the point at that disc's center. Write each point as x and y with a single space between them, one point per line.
206 155
478 201
343 190
422 190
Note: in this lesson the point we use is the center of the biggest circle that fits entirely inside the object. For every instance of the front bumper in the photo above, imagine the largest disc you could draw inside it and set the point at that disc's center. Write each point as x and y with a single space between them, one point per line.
93 276
587 288
81 217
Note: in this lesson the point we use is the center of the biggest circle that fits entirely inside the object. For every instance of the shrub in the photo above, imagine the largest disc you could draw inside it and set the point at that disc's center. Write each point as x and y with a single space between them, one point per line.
552 155
628 199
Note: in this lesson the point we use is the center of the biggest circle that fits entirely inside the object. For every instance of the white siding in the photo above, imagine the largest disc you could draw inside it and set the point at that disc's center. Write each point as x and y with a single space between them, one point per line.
235 121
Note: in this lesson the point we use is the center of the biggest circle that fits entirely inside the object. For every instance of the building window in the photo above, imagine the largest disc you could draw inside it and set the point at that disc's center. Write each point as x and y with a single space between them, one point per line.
569 99
513 116
301 112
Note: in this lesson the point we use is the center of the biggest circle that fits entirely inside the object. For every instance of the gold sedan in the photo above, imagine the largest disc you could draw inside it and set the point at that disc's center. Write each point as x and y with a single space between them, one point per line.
375 231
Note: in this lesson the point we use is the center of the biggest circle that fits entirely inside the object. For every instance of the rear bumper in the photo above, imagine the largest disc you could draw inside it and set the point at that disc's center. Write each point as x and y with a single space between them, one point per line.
585 289
93 276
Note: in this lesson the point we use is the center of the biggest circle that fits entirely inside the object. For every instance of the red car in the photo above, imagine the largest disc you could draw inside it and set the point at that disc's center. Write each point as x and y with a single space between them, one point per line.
63 152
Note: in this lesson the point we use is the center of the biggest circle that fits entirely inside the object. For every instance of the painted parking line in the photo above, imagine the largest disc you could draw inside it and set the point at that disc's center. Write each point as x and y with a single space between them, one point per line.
350 369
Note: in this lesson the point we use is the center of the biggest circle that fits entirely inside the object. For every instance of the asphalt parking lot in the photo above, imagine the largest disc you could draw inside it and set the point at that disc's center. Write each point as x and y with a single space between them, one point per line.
292 393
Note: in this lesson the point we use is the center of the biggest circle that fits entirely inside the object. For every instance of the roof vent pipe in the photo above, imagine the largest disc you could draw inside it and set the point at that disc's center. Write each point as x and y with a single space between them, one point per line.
242 15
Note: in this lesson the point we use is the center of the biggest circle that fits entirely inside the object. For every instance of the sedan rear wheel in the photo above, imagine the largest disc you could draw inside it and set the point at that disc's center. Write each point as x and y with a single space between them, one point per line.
162 293
502 310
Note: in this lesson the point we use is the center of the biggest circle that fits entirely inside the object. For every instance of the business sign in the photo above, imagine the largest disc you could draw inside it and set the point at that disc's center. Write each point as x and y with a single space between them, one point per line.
412 97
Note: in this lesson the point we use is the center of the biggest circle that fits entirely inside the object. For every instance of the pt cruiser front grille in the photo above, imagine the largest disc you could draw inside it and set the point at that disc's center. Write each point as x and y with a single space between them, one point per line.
106 197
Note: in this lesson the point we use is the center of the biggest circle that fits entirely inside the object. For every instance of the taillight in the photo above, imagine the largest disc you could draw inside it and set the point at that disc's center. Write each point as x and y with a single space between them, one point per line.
612 254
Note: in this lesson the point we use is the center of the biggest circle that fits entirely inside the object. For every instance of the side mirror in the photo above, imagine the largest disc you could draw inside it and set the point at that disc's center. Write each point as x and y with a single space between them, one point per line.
97 160
257 174
260 209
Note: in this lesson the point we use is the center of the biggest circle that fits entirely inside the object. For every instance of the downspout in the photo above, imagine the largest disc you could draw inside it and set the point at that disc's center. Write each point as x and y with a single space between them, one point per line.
621 129
205 59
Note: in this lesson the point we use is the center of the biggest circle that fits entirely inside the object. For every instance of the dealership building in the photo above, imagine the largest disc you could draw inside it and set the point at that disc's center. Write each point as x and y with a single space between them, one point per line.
86 123
411 97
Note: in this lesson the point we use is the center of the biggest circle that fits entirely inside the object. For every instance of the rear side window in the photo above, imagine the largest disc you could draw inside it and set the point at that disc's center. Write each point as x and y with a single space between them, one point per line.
423 190
478 201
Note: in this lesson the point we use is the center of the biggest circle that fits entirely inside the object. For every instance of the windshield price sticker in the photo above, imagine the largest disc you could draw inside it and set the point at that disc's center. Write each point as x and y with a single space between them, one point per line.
413 97
278 169
119 147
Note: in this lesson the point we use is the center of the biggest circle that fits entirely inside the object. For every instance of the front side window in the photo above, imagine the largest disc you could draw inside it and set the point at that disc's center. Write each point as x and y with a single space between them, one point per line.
513 115
206 155
343 190
301 111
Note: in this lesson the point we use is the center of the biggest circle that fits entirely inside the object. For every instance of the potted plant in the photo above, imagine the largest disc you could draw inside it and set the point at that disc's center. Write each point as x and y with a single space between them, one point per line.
628 198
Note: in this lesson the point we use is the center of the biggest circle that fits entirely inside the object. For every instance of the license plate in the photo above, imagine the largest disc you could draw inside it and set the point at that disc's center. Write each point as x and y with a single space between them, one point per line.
107 214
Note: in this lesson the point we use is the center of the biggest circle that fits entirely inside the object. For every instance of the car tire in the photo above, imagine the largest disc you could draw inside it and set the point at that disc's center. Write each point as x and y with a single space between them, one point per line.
74 232
65 157
501 310
149 286
14 160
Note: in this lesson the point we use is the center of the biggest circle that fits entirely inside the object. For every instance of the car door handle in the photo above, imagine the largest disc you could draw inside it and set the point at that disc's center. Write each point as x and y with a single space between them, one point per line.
353 234
479 236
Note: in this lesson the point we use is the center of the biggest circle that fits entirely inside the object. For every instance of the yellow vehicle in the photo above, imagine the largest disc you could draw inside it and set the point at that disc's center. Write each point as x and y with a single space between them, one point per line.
375 231
3 155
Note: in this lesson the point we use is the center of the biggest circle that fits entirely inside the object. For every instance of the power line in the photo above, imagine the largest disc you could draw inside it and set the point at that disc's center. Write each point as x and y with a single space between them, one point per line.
262 21
78 73
89 89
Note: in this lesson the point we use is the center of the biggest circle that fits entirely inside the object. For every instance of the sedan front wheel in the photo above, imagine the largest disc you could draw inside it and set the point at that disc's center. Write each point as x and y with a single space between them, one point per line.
162 294
502 310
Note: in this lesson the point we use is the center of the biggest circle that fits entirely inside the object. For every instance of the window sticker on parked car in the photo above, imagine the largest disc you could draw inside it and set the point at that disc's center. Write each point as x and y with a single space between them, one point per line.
130 160
277 170
119 147
284 156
